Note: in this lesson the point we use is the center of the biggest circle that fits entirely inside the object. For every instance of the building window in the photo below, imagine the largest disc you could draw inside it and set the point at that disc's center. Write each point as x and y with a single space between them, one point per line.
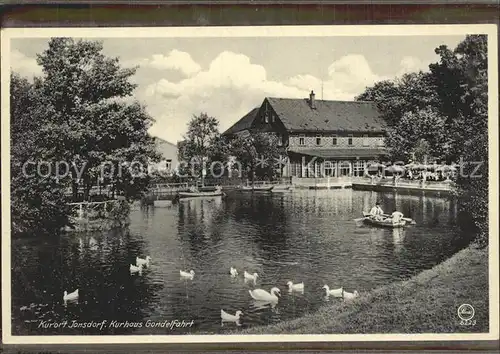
334 140
349 139
266 117
366 142
280 140
272 118
344 168
329 168
302 140
168 165
318 140
359 168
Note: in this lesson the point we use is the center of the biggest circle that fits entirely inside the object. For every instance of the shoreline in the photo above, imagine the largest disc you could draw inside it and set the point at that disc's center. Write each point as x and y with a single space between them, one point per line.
425 303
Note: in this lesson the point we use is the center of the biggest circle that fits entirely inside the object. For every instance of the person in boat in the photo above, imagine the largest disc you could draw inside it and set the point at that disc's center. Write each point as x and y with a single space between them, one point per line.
376 212
396 217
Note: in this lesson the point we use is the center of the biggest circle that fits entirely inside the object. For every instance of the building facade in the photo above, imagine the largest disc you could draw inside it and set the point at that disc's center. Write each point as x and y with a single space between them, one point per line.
322 138
169 161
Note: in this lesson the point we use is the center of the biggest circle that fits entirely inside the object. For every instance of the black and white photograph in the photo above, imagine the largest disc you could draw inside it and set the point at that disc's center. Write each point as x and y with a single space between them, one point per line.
234 184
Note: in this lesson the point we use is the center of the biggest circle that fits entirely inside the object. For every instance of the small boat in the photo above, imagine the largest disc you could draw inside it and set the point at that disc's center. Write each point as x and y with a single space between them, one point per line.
215 193
384 223
256 188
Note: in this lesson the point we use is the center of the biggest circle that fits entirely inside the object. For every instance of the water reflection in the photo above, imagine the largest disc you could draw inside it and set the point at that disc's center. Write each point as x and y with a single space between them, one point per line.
304 236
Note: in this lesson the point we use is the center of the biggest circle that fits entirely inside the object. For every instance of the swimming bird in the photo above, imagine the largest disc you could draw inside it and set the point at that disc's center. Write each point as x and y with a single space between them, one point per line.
227 317
233 272
295 287
349 296
333 292
71 296
249 276
262 295
142 261
136 269
189 275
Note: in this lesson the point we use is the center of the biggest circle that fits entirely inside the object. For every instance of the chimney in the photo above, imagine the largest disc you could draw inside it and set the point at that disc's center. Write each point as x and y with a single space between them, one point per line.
312 103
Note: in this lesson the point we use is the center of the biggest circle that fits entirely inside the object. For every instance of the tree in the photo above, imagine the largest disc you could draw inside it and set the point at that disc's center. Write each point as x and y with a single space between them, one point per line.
94 122
197 147
462 81
37 199
420 133
409 93
257 153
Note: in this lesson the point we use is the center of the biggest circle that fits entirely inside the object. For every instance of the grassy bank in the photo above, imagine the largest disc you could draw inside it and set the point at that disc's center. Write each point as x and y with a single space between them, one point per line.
427 303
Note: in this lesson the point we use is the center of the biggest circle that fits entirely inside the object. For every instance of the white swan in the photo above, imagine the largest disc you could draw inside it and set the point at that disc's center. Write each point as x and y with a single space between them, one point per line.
71 296
135 269
227 317
349 296
262 295
295 287
333 292
142 261
252 277
233 272
189 275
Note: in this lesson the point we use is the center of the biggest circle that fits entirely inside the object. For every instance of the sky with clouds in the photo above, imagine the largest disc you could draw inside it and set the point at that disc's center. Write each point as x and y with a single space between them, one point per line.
227 77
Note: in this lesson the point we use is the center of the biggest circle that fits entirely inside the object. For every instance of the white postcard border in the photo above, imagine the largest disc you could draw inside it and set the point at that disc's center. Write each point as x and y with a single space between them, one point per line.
249 31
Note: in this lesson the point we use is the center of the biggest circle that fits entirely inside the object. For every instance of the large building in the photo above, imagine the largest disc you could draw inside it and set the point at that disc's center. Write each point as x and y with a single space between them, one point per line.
322 138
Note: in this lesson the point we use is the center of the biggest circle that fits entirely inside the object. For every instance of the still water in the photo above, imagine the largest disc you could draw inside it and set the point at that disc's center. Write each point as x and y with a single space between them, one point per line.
299 236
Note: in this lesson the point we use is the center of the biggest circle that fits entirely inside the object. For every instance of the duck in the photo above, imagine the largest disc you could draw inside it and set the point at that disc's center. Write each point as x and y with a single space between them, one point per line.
333 292
295 287
349 296
262 295
249 276
227 317
143 261
233 272
71 296
189 275
135 269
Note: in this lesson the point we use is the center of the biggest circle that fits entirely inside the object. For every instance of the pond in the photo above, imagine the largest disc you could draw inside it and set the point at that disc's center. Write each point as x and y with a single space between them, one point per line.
299 236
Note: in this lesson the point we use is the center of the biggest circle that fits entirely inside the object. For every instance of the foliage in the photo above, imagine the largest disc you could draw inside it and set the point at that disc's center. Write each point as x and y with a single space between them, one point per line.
418 136
410 93
198 145
94 123
79 113
37 202
445 111
257 154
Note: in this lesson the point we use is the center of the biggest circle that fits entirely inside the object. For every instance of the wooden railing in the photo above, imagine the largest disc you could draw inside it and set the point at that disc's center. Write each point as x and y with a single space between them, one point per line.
91 210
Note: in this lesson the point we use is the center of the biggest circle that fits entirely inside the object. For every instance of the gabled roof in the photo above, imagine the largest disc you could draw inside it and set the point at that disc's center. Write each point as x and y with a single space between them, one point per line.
244 123
297 115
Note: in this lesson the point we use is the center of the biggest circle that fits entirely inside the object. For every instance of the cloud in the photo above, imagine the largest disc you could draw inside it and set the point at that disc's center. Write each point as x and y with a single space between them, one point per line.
232 85
24 65
412 64
175 60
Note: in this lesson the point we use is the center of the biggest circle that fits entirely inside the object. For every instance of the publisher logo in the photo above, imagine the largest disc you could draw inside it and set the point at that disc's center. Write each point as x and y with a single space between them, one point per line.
465 312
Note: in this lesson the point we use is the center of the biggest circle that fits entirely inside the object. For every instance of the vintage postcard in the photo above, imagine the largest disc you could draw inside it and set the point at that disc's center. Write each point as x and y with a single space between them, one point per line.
249 184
